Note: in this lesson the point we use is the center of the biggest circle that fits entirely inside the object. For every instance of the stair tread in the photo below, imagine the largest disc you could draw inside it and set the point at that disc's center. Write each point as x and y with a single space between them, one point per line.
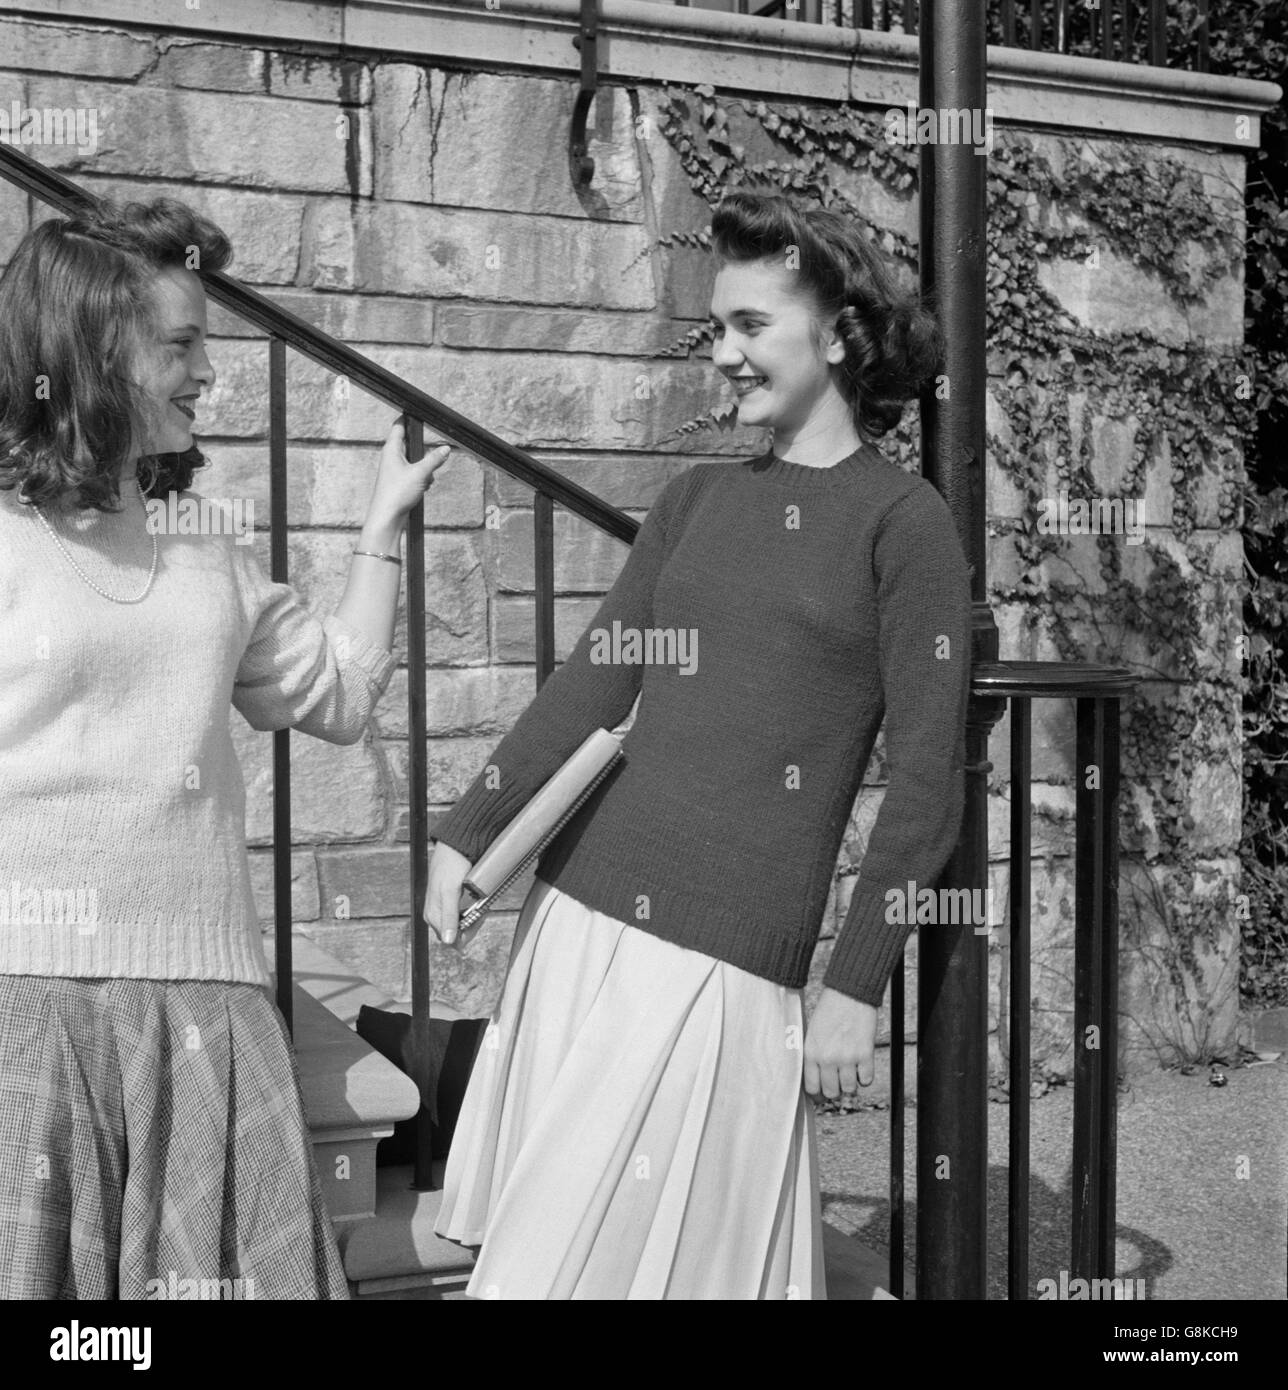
400 1239
345 1083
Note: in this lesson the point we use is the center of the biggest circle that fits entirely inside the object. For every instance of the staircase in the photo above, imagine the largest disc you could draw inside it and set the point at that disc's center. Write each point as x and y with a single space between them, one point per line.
352 1099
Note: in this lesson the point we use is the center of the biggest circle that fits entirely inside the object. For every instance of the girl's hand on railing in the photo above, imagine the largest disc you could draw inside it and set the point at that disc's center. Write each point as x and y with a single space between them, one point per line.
839 1043
401 485
447 870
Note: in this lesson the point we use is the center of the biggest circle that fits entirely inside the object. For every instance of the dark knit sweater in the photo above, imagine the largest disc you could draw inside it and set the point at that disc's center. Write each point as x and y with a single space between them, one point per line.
822 598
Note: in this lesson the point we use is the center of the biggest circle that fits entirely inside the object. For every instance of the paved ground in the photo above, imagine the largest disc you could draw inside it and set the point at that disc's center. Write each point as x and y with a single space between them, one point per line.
1188 1223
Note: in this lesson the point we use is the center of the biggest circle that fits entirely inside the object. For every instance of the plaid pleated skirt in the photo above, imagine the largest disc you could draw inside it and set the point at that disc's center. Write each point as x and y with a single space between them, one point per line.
153 1144
635 1125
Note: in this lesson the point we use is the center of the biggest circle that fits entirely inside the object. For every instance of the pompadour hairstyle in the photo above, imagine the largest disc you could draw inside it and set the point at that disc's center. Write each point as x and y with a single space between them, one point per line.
893 345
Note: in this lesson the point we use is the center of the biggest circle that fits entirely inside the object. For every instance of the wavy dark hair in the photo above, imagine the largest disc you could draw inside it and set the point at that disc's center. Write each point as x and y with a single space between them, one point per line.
893 344
76 310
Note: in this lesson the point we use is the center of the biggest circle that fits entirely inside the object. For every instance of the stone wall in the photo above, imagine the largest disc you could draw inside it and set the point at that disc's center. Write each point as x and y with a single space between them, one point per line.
424 214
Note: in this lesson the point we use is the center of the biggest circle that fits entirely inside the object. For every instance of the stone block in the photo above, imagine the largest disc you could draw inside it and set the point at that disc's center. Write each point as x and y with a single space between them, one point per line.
451 765
514 626
477 254
13 221
461 700
586 558
363 883
471 977
336 791
314 77
66 47
237 405
556 330
1171 1010
205 137
481 139
354 319
212 67
1117 296
375 948
456 602
304 886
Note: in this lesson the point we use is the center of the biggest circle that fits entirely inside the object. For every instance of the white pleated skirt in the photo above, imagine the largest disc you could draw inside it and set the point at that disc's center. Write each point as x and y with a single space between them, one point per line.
635 1126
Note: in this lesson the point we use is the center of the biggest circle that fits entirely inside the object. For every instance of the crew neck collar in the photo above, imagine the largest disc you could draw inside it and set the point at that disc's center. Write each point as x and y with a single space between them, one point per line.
804 475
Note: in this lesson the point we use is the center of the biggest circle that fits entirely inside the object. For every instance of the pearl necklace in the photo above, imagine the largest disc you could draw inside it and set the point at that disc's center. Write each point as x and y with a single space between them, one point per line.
71 559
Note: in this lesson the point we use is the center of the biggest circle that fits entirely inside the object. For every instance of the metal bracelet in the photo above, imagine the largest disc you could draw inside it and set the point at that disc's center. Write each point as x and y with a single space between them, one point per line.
377 555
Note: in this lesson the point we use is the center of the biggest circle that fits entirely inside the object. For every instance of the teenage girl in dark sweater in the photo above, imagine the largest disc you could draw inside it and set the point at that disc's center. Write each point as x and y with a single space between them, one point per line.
637 1123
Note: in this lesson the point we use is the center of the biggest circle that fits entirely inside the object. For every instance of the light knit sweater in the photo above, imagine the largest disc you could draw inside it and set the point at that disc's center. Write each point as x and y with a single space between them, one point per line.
122 807
821 599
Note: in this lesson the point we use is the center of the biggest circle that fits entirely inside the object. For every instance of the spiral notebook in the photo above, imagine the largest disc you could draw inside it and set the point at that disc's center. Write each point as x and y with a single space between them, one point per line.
521 843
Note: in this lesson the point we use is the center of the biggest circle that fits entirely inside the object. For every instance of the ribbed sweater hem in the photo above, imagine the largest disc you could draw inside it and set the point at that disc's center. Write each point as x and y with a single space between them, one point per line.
144 953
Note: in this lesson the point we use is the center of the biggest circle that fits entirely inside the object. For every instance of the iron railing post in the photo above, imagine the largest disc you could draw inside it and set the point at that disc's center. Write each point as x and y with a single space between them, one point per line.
952 961
283 917
418 815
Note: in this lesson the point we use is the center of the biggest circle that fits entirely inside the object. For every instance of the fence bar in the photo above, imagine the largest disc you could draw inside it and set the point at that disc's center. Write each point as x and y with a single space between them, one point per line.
1008 23
1061 26
418 815
863 17
897 1160
1035 23
911 18
1088 990
283 916
1020 1000
1108 1218
1158 33
1204 36
543 550
1104 20
1129 31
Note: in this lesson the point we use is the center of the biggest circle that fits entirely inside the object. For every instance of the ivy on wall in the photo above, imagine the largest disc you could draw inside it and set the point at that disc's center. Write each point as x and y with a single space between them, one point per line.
1056 381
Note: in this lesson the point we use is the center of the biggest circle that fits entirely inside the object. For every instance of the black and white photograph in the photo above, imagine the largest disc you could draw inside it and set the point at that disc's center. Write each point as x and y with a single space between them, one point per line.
643 658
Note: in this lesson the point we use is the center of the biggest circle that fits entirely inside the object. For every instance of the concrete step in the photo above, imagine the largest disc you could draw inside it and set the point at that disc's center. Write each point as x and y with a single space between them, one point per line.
352 1095
352 1099
395 1254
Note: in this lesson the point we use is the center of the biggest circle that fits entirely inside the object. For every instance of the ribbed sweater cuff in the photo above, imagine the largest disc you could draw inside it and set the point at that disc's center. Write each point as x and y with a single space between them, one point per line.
478 817
867 950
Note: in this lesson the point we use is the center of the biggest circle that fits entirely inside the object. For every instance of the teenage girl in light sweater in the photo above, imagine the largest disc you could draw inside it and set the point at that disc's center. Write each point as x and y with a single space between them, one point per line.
151 1128
636 1124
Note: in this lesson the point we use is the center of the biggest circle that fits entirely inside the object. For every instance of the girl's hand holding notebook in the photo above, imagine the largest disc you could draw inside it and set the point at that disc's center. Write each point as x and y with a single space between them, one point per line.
443 897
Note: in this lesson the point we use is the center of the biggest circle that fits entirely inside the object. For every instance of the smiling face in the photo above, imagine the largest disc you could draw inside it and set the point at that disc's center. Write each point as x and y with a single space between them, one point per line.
767 344
173 369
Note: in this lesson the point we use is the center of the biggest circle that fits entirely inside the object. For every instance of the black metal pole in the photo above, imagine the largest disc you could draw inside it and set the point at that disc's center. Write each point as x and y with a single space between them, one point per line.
282 912
418 815
952 962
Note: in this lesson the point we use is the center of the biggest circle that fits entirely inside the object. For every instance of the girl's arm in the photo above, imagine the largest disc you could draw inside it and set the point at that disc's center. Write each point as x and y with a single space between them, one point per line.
923 600
578 698
370 602
324 678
